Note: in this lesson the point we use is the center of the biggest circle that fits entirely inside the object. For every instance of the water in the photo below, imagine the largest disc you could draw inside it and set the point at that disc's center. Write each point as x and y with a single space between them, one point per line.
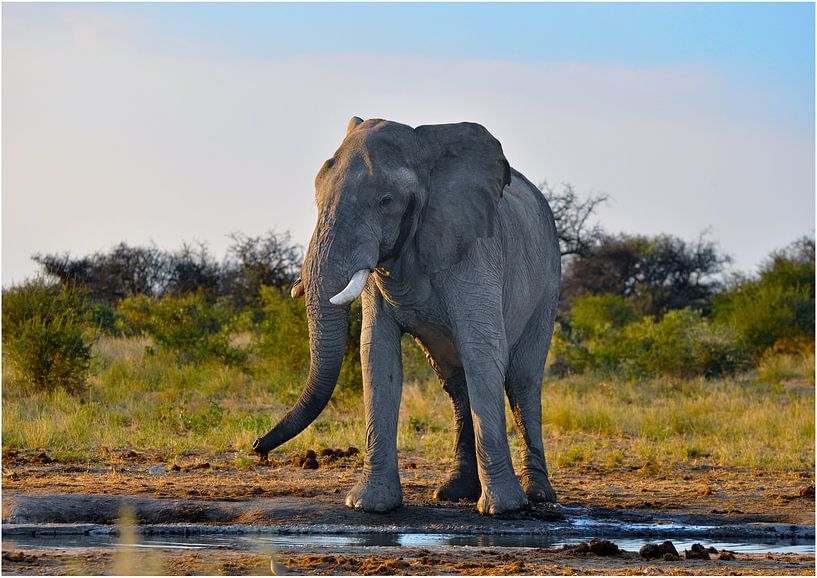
326 542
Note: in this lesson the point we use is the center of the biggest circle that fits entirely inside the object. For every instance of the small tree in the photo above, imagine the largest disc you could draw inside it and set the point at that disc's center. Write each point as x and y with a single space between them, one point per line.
47 336
573 216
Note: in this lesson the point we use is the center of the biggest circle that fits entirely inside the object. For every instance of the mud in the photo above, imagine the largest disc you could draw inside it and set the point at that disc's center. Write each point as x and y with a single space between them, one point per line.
699 502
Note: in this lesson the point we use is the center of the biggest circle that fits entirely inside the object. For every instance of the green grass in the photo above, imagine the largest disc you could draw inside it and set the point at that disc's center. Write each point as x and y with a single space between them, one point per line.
763 419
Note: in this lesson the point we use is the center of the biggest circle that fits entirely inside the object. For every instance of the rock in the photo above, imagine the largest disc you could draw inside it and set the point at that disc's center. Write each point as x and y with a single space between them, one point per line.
201 466
352 451
696 552
327 452
666 551
671 557
650 551
726 555
176 468
668 547
711 549
603 548
157 470
41 458
310 454
580 548
310 464
807 492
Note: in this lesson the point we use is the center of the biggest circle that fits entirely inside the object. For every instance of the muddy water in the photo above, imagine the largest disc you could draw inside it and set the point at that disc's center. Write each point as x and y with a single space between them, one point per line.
317 543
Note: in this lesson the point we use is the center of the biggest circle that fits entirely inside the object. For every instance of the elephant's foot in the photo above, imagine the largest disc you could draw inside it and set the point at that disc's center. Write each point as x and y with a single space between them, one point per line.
502 498
538 489
375 495
459 486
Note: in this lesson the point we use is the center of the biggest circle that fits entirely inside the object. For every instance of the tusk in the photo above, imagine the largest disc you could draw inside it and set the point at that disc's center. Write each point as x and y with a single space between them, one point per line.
353 290
297 289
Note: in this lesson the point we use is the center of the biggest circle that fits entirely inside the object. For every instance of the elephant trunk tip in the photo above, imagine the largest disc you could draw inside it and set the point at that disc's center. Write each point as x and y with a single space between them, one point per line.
259 447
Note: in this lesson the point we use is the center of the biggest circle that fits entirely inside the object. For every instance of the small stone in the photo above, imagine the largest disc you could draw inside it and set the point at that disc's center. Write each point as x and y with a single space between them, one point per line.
42 458
671 557
580 548
668 547
650 551
157 470
696 552
310 464
352 451
176 468
327 452
726 555
201 466
603 547
311 454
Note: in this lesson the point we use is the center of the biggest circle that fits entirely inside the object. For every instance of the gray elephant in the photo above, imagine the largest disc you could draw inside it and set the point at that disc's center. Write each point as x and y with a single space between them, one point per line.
446 242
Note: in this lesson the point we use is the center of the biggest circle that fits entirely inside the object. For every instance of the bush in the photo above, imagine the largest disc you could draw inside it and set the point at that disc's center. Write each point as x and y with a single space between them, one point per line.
776 309
188 326
606 338
281 337
47 334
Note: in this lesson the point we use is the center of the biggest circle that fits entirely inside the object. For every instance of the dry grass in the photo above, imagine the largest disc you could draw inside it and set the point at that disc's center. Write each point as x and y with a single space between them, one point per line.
763 420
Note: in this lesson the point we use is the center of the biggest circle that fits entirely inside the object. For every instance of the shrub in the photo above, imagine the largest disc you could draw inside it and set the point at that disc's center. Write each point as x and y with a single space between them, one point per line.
47 334
776 309
188 326
606 338
281 337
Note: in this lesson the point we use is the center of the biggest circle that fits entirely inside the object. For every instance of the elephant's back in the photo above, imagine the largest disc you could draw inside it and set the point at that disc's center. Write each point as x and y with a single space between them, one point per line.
525 216
532 261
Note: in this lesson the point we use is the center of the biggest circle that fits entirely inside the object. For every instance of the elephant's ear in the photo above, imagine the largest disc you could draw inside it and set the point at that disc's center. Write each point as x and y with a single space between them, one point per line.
467 173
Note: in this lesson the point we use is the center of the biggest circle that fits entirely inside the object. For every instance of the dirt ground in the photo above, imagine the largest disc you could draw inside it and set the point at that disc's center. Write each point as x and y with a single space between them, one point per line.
208 489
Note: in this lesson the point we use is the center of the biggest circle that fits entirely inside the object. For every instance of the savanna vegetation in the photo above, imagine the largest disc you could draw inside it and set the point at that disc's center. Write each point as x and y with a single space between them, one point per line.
659 356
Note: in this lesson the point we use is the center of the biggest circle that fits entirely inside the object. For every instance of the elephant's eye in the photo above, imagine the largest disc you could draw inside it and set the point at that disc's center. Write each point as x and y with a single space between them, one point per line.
386 200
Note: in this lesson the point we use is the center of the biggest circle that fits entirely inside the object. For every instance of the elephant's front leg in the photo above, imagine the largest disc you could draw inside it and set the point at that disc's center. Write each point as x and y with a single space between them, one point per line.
483 349
379 488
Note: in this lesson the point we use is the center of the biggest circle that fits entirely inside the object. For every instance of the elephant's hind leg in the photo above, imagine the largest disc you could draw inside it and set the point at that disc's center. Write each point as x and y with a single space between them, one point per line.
463 479
524 388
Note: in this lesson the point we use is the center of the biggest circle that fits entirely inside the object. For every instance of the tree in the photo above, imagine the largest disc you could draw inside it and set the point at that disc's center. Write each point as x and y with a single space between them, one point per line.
112 276
577 234
270 260
658 274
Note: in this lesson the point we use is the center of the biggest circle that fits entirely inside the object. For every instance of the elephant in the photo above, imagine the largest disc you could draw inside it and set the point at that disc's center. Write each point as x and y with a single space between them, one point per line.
443 240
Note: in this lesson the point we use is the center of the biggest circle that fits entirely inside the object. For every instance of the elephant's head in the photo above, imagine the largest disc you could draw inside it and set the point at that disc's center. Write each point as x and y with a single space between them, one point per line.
387 190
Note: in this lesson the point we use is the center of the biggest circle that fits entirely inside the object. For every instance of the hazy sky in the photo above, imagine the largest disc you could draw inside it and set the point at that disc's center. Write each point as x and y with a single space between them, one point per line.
174 122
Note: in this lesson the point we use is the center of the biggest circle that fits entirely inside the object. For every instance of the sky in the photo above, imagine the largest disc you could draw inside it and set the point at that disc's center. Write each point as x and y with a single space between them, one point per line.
166 123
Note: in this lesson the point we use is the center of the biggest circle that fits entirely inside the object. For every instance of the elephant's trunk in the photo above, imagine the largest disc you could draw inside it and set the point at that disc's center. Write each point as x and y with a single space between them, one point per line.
328 325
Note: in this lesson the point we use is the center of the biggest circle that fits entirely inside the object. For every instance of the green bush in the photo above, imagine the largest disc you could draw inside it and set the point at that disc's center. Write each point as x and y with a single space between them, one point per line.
281 338
47 334
188 326
605 338
775 309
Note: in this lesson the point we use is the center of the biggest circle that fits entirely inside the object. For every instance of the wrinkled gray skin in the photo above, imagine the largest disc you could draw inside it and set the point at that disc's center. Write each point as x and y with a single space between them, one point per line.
464 257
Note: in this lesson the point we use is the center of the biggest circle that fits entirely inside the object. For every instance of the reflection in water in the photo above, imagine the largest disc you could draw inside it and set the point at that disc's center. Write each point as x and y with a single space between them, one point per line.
266 542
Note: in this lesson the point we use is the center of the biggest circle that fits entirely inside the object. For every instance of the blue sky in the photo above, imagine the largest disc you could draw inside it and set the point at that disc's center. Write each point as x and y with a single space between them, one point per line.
691 116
